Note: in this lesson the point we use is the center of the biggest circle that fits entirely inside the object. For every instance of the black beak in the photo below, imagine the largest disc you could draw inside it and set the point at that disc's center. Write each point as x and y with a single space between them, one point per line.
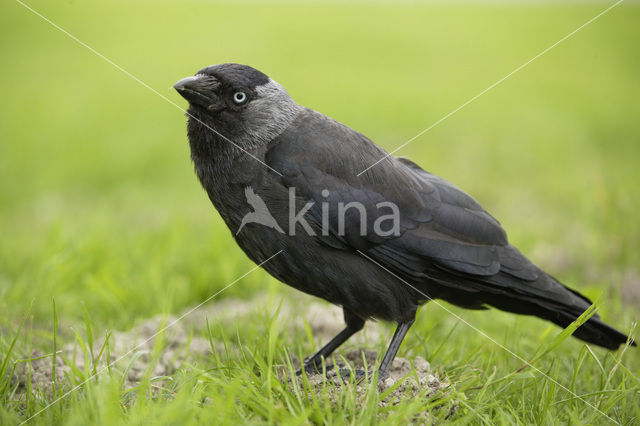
199 90
185 83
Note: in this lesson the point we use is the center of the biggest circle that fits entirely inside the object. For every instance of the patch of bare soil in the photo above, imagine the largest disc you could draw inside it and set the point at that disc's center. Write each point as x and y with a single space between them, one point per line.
407 378
132 352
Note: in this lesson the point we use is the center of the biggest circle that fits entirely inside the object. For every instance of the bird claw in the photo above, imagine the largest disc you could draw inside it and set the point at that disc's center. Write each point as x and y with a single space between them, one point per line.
312 368
338 373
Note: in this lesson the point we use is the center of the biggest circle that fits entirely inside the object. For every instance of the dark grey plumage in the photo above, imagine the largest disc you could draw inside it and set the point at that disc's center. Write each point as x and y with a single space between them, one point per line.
448 247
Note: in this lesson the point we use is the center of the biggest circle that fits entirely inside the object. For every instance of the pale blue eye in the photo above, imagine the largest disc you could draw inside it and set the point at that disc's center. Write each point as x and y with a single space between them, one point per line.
239 97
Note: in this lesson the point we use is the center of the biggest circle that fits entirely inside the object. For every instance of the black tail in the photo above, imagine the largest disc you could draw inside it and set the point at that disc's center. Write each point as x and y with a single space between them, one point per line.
523 288
547 298
597 332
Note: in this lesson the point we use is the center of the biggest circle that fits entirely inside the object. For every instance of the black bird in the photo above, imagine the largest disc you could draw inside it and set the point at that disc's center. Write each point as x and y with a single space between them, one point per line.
438 242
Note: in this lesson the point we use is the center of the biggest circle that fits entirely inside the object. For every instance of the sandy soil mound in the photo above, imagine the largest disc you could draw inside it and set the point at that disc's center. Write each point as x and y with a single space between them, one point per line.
134 349
411 377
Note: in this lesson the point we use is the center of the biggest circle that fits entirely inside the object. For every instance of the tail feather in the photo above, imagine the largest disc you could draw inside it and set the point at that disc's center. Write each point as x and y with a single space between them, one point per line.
593 331
597 332
561 306
523 288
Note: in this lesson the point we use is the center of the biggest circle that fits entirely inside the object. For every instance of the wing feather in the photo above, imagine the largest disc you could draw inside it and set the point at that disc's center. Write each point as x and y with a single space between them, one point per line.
438 223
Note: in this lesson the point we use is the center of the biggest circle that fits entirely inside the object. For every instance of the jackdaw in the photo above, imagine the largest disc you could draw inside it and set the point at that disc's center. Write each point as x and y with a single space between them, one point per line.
379 243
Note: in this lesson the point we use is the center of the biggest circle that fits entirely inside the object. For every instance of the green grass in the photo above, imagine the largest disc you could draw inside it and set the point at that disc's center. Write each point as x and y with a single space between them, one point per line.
100 209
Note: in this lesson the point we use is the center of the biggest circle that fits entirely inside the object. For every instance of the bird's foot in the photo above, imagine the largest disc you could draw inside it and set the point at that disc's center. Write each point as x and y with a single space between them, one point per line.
313 367
346 375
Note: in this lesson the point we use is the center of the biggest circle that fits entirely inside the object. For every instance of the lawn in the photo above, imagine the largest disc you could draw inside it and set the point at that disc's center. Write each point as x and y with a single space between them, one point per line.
104 224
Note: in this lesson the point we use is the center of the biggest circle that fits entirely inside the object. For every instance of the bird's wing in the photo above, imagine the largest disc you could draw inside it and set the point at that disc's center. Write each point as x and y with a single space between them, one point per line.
438 224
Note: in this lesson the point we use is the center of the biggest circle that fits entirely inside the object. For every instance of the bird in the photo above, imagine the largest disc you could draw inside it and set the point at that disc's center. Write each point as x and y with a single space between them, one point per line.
332 191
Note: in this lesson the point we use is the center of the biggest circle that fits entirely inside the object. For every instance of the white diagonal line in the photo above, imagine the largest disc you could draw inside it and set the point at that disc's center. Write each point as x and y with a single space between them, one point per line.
77 40
488 337
154 335
492 86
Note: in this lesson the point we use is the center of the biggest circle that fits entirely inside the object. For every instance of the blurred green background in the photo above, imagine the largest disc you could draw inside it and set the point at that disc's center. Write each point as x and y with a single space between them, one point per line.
99 204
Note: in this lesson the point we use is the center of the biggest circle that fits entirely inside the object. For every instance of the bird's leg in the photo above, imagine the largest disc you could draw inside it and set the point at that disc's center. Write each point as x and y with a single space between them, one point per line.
354 324
385 365
396 341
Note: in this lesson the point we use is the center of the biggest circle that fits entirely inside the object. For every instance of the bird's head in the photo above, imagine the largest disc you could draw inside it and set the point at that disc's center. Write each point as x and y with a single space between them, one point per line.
239 101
